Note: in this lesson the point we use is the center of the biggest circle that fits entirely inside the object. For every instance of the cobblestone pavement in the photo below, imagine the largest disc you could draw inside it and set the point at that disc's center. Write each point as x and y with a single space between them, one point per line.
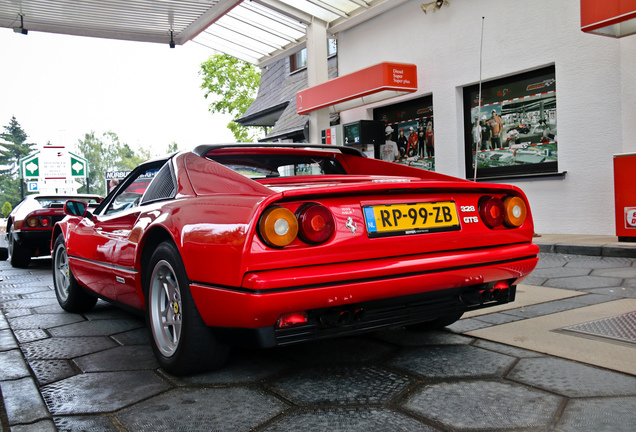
97 372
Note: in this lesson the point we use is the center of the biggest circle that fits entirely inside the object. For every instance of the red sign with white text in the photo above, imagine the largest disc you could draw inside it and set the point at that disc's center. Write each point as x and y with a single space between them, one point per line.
383 77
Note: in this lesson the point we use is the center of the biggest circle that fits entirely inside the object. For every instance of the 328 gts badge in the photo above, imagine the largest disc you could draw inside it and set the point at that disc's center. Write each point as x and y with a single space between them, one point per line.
469 219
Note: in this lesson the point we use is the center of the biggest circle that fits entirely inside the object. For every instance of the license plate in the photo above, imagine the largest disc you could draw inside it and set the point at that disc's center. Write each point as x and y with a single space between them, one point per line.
416 218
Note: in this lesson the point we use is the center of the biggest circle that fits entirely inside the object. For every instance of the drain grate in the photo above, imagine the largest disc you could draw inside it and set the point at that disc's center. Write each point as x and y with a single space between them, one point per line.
620 328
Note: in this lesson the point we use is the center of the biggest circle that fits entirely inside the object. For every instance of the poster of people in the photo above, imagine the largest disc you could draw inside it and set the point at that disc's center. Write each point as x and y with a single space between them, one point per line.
515 125
409 133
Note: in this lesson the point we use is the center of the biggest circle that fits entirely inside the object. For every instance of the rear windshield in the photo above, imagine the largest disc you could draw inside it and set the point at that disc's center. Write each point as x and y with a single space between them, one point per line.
267 166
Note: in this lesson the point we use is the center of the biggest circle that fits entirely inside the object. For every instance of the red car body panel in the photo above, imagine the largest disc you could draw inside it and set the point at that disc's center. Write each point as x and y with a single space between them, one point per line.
316 288
238 281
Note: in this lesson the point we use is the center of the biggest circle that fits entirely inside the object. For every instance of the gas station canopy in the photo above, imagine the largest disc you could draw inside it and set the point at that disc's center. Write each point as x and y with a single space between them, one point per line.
256 31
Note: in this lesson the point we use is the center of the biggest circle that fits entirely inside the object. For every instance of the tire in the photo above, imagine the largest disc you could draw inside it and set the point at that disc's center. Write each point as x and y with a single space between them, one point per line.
182 342
70 295
19 256
436 324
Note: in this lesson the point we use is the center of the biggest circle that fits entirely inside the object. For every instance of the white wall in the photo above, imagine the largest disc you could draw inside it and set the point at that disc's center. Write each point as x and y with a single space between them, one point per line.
596 90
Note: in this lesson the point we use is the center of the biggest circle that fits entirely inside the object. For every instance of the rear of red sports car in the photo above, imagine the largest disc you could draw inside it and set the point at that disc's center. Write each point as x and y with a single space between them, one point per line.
30 224
379 245
266 245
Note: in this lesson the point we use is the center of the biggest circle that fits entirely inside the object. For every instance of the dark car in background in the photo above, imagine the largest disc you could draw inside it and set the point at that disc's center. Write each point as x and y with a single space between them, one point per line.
30 224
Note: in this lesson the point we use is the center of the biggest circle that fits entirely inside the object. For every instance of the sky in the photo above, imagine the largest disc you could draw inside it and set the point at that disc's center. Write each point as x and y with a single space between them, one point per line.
61 87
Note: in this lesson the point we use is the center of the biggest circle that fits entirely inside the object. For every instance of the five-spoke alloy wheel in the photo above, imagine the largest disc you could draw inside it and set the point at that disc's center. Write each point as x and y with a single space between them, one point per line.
182 342
70 295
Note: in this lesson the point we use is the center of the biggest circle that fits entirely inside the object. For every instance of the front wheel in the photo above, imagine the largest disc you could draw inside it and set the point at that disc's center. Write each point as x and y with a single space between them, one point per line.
182 342
70 295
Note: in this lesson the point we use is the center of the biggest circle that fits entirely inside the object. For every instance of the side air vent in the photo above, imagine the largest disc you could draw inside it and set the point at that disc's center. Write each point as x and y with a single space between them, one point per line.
162 186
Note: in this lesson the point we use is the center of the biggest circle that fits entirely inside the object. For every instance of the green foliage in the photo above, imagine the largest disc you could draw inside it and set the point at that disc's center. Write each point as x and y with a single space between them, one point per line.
13 146
6 209
172 147
232 84
105 154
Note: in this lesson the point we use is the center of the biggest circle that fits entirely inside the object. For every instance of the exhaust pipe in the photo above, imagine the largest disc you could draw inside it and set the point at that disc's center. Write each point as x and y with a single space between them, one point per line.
339 318
479 297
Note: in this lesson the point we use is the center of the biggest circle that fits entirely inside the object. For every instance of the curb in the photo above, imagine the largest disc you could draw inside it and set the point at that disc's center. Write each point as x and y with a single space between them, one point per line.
591 250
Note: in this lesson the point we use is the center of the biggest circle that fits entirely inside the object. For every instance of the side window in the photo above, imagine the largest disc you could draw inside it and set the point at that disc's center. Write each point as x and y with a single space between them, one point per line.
162 187
130 196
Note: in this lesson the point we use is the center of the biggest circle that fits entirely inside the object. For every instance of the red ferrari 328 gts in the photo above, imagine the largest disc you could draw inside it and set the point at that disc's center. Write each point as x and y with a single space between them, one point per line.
271 244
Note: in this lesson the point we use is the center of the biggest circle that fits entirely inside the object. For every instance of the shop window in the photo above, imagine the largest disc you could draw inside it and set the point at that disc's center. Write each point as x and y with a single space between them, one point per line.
332 47
512 131
409 126
298 60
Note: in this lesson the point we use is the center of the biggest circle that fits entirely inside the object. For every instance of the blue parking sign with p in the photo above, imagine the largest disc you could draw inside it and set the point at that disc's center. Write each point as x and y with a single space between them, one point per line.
32 186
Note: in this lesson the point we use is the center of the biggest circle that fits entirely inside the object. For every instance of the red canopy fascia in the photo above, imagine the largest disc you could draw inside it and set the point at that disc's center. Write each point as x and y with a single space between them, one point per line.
375 83
615 18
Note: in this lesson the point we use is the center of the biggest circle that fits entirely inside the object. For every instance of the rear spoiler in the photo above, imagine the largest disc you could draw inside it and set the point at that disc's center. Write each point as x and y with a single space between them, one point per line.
204 149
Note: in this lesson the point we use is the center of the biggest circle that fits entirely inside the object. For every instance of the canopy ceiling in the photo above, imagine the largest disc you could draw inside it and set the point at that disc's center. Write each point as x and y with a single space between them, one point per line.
256 31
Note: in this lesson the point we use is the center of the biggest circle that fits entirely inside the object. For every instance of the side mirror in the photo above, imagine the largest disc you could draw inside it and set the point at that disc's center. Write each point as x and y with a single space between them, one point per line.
76 208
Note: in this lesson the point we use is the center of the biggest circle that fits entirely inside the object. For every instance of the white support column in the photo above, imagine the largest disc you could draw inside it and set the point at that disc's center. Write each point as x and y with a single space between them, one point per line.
317 73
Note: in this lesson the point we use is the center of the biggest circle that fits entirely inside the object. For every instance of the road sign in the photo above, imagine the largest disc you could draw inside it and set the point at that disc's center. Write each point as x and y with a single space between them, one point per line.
54 161
30 166
78 166
32 186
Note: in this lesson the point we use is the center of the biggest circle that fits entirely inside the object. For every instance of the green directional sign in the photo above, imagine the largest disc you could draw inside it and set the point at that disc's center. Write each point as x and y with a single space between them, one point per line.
78 166
30 166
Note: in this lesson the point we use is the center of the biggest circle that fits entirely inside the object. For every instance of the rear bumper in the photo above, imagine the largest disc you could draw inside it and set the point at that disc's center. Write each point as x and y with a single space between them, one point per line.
367 316
402 281
38 240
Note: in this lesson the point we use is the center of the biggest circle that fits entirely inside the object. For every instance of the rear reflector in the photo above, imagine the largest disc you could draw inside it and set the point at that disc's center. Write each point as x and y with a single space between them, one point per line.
501 285
292 319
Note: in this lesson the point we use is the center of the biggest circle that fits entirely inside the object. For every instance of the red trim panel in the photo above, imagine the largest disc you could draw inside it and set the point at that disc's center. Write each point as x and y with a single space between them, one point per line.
383 268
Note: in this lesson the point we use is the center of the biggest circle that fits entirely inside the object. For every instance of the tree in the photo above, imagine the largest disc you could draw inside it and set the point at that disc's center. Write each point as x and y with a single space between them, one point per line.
103 155
6 209
12 148
172 147
233 85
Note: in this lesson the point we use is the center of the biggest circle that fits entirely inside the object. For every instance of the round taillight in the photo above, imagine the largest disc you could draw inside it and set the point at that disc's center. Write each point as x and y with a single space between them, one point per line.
32 221
45 221
315 223
492 211
278 226
516 211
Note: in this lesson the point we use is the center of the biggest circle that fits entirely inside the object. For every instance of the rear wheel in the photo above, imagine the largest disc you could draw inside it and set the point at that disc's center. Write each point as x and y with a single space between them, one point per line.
182 342
438 323
70 295
20 256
